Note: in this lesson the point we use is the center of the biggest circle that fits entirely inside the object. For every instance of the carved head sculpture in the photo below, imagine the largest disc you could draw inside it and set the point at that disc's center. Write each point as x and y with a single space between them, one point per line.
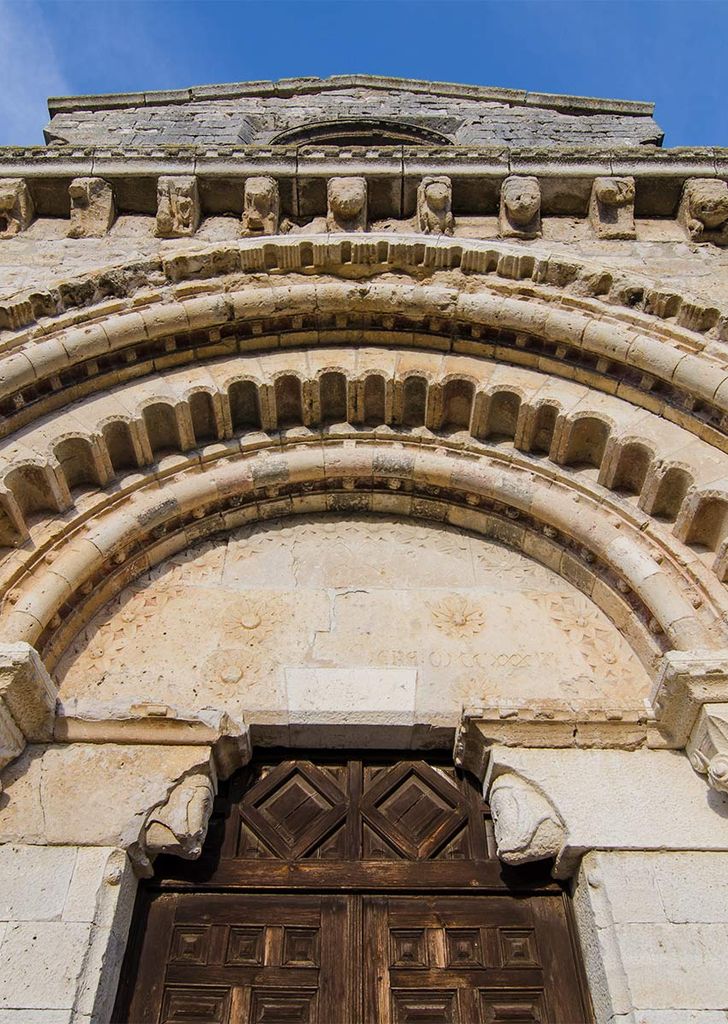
8 199
718 773
80 192
527 827
15 207
434 202
260 206
704 209
611 207
522 199
614 191
709 203
178 206
437 194
92 207
347 203
179 826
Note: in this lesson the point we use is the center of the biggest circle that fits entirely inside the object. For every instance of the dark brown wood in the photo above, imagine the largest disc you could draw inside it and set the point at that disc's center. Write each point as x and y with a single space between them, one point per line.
341 890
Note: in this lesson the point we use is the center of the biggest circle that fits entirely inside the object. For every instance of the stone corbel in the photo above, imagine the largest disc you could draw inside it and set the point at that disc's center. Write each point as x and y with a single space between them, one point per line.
179 825
527 826
92 207
178 206
611 207
707 747
16 206
347 204
27 700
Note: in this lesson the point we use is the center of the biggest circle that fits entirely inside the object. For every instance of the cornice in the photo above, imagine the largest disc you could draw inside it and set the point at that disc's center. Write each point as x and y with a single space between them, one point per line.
566 175
286 87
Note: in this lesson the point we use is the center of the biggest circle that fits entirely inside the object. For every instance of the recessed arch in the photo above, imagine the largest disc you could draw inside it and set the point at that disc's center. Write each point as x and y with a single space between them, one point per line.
360 131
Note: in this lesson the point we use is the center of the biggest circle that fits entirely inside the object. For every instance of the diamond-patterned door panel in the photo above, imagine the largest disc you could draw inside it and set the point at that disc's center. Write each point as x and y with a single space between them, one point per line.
414 808
293 808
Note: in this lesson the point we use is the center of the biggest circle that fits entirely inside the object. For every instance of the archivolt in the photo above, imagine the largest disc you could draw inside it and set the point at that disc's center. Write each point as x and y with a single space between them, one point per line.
62 463
477 420
494 301
629 574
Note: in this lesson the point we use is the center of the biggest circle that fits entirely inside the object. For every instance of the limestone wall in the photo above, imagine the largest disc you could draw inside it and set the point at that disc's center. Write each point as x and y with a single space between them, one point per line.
654 928
64 918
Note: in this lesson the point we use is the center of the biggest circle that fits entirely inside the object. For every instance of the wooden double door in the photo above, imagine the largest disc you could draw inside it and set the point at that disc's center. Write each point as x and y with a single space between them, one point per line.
350 891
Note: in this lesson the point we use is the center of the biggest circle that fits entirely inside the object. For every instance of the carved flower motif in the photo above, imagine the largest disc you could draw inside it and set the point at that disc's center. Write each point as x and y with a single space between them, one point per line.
457 616
252 619
585 629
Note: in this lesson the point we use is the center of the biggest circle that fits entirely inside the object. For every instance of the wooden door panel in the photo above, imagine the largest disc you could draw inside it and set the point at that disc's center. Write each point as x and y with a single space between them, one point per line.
466 958
236 959
350 891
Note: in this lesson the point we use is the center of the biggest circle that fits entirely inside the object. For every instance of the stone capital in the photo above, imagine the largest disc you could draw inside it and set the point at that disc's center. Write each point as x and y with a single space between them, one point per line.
687 681
27 700
707 747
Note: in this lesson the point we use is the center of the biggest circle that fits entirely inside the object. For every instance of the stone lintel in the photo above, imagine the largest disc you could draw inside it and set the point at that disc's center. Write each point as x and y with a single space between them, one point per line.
562 803
157 724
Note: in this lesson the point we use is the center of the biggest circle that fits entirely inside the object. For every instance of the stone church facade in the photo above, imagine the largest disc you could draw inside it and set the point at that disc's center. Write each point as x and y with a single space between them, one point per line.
364 457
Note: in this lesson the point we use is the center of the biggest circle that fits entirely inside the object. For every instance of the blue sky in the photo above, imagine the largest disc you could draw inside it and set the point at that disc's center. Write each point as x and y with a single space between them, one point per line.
669 51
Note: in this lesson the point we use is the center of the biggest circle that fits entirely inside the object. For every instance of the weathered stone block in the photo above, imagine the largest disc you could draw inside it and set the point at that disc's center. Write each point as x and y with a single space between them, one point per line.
41 964
704 210
520 208
35 881
611 207
434 205
16 207
92 208
261 206
347 204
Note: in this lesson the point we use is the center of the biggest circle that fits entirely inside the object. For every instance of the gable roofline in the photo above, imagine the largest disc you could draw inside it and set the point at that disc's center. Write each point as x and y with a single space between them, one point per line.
286 87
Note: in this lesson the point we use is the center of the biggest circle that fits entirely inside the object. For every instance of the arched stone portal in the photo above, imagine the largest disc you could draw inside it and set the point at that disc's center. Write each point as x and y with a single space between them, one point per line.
433 460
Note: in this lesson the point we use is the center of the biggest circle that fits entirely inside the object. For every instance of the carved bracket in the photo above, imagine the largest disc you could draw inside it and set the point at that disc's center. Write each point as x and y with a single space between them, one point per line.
527 825
179 825
707 747
687 681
